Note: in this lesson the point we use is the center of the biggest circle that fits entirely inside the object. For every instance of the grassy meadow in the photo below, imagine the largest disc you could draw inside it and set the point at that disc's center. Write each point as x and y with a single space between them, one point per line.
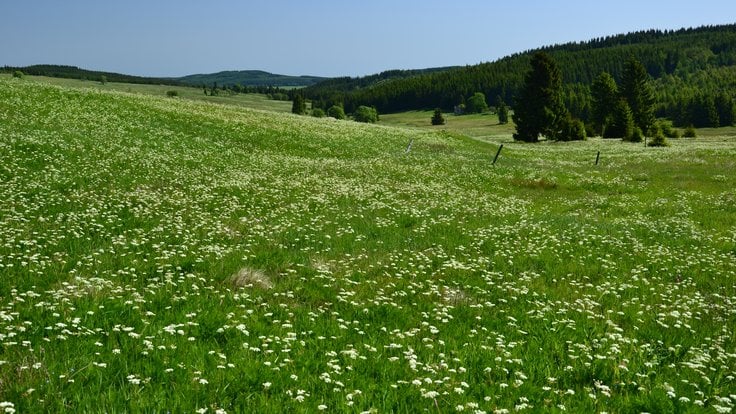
249 100
170 255
482 126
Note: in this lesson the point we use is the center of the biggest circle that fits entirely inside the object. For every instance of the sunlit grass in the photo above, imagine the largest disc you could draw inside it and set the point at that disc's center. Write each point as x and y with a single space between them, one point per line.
481 126
159 255
249 100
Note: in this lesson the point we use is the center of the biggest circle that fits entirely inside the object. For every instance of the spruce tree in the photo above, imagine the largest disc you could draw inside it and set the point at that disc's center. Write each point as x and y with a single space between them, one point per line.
622 122
503 113
539 109
437 118
299 106
605 96
638 92
503 110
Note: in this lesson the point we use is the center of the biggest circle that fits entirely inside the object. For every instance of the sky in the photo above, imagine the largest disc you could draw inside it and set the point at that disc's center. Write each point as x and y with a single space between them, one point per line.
317 37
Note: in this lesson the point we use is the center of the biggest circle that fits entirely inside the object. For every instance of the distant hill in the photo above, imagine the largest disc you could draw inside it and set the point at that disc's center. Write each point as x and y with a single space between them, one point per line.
248 78
226 78
73 72
685 64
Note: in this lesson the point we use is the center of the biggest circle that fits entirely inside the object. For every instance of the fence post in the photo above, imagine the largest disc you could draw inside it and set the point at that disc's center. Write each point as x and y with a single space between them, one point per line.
497 153
597 157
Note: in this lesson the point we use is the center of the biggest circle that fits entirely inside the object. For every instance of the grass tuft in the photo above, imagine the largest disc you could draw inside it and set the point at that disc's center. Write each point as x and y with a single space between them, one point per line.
247 278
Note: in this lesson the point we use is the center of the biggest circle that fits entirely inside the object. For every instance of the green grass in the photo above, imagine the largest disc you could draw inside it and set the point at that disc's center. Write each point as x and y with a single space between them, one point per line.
483 126
163 254
250 100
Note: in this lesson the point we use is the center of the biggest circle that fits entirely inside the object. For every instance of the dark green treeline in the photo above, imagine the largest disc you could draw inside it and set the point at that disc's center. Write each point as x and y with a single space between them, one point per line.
694 73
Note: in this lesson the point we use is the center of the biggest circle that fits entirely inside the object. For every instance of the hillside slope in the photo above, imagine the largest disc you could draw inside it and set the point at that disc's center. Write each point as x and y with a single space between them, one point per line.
163 255
73 72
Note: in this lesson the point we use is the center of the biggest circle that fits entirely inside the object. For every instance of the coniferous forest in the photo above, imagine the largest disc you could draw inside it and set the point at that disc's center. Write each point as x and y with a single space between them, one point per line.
693 73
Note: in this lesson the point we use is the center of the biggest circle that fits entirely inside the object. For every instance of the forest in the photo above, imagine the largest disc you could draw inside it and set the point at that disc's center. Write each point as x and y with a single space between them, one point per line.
693 74
249 78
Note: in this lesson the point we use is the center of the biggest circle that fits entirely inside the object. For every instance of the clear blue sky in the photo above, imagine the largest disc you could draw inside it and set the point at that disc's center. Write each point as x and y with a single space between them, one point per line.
317 37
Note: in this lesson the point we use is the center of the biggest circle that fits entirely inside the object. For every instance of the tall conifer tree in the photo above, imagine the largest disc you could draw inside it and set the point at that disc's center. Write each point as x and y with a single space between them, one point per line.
638 92
299 106
539 109
605 97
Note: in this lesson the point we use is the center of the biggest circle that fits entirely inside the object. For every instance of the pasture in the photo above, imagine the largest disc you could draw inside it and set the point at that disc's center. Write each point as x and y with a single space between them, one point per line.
168 255
249 100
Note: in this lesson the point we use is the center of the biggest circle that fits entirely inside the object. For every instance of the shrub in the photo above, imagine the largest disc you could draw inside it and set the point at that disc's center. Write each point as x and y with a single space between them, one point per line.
571 130
172 94
636 135
667 129
18 74
365 114
318 113
658 140
590 130
476 104
336 112
437 118
103 79
689 132
503 113
576 130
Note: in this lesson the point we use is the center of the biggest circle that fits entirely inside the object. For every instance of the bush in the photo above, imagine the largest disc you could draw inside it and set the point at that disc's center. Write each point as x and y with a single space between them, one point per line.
658 140
689 132
571 130
18 74
437 118
172 94
590 130
318 113
636 135
476 104
365 114
103 80
336 112
667 129
503 113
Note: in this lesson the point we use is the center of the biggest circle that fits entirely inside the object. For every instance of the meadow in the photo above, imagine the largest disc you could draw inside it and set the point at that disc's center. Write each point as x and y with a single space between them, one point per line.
168 255
250 100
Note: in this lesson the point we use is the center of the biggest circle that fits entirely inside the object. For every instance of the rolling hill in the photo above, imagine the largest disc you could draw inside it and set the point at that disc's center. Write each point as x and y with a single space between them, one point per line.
225 78
73 72
249 78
